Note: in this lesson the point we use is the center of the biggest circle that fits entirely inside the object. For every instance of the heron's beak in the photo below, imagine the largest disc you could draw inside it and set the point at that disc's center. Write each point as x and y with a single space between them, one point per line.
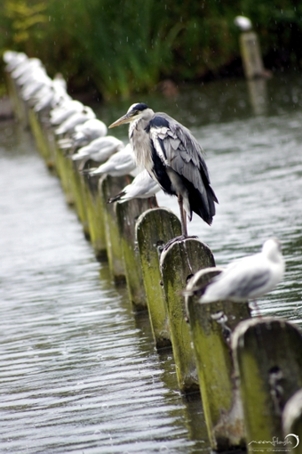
124 119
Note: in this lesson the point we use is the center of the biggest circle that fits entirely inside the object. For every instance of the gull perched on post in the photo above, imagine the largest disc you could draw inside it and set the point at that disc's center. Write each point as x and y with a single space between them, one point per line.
248 278
142 187
172 157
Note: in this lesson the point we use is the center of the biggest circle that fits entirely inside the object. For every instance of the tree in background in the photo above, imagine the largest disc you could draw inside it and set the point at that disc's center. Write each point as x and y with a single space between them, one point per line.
128 46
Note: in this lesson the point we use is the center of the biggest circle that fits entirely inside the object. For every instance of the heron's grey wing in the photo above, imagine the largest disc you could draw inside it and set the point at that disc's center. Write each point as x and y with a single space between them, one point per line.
178 149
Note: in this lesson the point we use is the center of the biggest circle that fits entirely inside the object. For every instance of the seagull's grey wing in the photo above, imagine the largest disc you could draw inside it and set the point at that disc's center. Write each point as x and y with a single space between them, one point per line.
239 283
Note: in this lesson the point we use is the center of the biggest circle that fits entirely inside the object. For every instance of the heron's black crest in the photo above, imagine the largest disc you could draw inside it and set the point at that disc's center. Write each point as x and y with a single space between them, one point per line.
139 107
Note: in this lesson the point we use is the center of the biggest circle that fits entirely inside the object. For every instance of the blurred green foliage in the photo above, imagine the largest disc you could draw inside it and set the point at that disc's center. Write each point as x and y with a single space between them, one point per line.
127 46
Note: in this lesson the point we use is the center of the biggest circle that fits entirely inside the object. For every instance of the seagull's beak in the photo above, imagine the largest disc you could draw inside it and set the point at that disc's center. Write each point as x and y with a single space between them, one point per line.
127 118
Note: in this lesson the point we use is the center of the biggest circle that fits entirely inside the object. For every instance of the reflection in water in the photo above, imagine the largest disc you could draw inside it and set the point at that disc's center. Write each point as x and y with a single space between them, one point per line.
79 371
258 95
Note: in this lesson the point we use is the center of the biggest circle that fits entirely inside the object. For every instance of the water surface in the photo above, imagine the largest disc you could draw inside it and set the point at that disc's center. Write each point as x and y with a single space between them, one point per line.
78 370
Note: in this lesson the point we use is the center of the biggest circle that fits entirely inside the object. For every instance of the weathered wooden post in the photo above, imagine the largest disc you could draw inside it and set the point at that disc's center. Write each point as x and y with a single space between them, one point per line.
39 135
95 215
179 260
251 55
268 361
211 326
20 108
127 215
292 423
154 228
111 186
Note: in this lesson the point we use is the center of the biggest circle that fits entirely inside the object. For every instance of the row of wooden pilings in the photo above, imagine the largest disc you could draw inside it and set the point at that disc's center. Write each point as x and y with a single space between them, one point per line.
248 370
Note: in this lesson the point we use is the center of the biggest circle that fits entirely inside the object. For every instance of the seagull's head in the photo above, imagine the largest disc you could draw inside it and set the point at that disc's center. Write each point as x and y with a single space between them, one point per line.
135 112
272 249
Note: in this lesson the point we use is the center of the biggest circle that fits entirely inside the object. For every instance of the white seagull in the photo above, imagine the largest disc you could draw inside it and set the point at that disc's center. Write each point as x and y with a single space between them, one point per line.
142 187
121 163
67 127
64 110
98 150
244 23
248 278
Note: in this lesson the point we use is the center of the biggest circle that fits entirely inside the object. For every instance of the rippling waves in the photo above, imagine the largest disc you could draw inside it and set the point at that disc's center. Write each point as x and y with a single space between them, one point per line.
77 375
78 371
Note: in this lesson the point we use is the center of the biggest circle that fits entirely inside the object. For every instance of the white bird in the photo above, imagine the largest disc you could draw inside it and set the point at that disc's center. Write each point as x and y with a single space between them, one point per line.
9 55
90 130
38 80
248 278
67 127
244 23
142 187
121 163
14 60
65 110
98 150
83 134
50 96
26 69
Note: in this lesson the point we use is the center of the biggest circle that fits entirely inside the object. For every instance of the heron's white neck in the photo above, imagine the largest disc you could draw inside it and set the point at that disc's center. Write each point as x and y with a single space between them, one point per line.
140 141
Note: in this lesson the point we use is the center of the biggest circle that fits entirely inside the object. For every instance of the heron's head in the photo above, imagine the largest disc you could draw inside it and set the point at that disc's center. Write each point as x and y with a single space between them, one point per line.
135 112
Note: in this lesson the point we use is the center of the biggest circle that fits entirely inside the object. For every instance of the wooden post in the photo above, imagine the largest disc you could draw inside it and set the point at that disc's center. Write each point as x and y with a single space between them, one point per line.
95 215
154 228
292 423
127 215
39 136
251 55
211 326
178 262
19 106
268 360
111 186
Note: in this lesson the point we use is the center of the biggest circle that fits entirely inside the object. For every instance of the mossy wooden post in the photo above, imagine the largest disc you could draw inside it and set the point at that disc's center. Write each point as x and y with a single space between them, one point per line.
77 186
178 262
19 106
110 186
127 215
211 327
268 360
292 423
95 215
154 228
40 137
251 55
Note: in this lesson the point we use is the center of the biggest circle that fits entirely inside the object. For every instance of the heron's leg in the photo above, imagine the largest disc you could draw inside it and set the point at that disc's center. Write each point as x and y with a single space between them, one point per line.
183 216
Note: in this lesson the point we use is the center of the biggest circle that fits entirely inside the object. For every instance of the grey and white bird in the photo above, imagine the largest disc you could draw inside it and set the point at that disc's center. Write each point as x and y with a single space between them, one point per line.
98 150
248 278
120 163
68 126
83 134
142 187
65 110
173 157
13 60
243 23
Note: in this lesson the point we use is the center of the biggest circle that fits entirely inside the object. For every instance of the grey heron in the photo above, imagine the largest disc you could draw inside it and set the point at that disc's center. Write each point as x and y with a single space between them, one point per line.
249 277
173 158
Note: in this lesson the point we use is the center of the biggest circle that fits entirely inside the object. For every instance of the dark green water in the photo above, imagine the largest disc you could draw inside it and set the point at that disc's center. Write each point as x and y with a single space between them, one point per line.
78 370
